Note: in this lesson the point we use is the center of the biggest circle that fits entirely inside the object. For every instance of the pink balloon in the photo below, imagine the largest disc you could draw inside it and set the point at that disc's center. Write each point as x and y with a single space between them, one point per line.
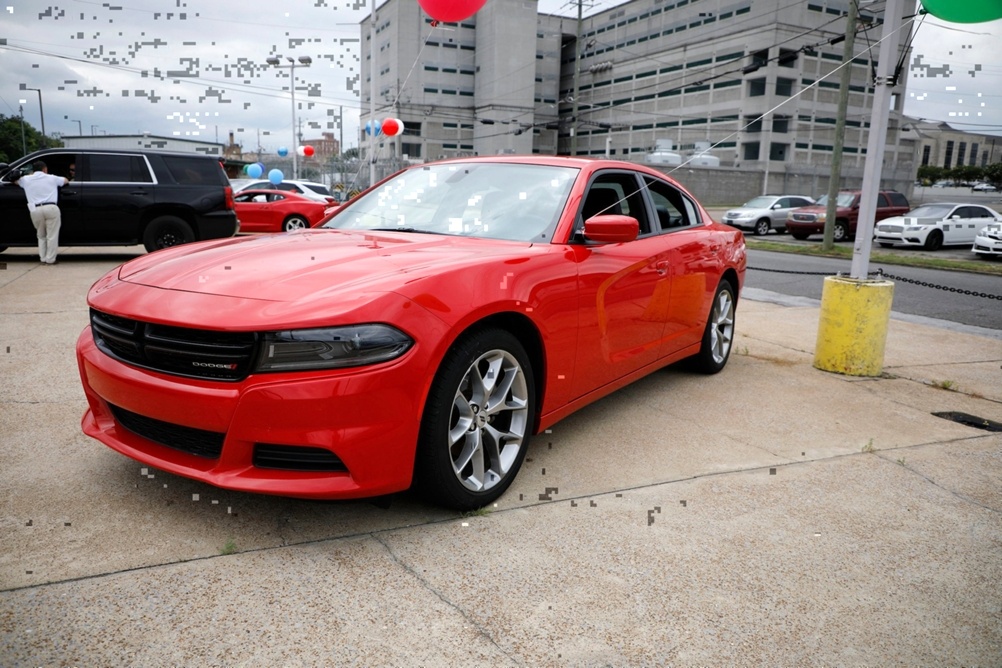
308 151
393 127
451 10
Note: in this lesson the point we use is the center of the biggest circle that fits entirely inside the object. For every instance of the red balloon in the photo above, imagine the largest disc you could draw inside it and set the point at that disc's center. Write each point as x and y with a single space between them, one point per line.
308 151
451 10
392 127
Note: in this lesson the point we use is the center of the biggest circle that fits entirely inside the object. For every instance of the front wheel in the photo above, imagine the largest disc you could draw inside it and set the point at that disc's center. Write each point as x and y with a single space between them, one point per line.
167 231
719 333
762 227
295 222
799 236
477 422
934 241
840 232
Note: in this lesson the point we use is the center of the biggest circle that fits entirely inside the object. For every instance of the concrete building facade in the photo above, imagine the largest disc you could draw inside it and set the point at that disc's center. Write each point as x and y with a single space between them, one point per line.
941 145
754 80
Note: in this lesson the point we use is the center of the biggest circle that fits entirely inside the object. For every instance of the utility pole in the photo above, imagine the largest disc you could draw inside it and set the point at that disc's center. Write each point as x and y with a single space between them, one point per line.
834 180
577 77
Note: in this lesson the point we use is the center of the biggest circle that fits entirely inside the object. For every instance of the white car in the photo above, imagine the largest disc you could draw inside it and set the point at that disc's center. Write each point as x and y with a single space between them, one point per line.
983 188
315 191
765 212
988 243
933 226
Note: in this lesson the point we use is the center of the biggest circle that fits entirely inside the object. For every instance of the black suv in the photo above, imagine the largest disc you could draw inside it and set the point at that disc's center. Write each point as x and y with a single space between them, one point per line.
124 197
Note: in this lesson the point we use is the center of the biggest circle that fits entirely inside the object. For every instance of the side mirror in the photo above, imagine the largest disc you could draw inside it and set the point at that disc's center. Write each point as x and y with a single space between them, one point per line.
611 229
776 206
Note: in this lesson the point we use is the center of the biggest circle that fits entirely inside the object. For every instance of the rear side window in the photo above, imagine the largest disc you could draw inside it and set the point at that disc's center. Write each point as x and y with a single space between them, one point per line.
119 168
897 199
673 208
190 171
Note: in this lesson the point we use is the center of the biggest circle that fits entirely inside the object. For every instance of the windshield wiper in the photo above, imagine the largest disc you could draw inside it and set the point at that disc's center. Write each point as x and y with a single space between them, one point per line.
402 229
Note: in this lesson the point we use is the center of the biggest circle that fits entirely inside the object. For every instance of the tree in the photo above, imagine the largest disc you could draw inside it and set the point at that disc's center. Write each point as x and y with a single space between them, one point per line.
11 146
993 173
930 173
966 174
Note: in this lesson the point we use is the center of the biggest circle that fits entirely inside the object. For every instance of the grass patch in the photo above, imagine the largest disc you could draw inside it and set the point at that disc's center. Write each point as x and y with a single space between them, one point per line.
948 385
845 252
869 447
229 548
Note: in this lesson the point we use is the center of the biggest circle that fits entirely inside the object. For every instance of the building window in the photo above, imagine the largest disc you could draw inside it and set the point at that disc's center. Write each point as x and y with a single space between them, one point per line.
778 152
784 87
787 58
756 87
753 124
948 159
974 154
780 123
412 128
750 150
410 150
926 151
760 58
961 151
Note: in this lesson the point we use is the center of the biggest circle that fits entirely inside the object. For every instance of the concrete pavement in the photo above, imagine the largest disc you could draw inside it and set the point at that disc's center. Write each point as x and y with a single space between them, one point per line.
772 514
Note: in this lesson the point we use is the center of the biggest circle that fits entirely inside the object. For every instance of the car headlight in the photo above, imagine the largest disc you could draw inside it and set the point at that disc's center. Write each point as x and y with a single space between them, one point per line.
820 218
331 348
914 228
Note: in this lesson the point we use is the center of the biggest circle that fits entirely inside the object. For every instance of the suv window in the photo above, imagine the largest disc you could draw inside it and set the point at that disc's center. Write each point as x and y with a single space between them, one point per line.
882 201
673 209
193 171
119 169
897 199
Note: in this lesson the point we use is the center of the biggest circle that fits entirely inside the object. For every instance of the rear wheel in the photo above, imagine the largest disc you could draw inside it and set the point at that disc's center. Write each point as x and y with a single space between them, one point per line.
167 231
295 222
477 421
934 241
762 226
719 333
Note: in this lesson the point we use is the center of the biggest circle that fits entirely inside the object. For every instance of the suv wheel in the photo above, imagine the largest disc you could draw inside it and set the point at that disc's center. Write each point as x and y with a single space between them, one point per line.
841 231
167 231
762 226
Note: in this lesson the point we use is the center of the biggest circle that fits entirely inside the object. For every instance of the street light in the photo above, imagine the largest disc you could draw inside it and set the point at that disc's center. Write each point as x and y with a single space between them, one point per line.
79 126
41 112
305 61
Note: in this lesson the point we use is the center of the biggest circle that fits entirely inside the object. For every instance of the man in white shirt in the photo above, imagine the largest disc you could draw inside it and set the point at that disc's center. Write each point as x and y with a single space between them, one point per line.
42 191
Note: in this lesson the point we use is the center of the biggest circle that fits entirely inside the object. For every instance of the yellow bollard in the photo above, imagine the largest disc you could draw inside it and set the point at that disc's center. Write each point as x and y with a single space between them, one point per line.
853 326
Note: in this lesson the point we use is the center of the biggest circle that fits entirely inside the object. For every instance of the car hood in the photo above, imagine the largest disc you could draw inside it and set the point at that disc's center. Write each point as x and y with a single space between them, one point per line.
910 220
308 264
734 213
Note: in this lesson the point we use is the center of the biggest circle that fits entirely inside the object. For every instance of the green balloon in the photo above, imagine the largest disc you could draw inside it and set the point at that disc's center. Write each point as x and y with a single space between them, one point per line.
964 11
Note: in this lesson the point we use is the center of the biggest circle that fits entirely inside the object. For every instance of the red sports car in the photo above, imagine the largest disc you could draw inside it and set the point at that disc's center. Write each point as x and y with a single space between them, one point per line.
276 211
421 336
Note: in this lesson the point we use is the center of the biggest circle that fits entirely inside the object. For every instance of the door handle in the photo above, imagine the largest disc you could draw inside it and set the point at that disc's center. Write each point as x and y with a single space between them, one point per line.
662 267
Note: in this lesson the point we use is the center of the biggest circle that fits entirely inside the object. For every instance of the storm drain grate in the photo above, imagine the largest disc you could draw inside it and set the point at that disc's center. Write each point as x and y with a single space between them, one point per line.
971 420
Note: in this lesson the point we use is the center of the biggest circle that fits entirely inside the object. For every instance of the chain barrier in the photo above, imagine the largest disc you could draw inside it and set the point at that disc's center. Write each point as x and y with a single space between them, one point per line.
879 274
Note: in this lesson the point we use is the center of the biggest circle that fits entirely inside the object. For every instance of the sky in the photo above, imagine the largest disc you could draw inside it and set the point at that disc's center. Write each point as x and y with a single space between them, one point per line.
197 69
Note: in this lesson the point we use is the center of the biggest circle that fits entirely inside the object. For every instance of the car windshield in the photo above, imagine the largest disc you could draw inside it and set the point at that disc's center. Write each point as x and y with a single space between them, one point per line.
497 200
318 188
843 199
931 211
761 202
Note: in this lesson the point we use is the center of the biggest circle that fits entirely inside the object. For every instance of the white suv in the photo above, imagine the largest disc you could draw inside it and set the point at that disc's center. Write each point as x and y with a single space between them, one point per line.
765 212
310 189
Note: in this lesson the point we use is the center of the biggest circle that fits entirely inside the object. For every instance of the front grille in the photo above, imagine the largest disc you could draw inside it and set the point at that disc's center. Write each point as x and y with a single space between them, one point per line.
296 458
804 217
195 353
891 229
186 439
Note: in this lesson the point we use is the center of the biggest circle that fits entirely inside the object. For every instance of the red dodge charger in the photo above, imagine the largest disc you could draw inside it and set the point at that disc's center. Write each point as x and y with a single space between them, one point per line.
420 336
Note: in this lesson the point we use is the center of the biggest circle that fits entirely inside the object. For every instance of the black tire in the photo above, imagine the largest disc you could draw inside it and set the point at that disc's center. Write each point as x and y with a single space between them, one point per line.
884 244
799 236
295 222
718 337
762 227
934 241
166 231
840 231
459 421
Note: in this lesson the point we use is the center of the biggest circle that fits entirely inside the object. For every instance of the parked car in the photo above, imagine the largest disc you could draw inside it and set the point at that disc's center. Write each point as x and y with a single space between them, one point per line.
277 211
983 188
423 334
765 212
933 226
988 242
124 197
804 222
309 189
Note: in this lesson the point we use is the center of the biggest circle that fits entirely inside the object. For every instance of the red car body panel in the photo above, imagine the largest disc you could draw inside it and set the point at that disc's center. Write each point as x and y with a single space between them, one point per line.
602 315
278 207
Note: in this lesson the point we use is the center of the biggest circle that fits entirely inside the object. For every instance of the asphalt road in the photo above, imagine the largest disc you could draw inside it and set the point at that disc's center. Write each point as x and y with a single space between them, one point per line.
803 276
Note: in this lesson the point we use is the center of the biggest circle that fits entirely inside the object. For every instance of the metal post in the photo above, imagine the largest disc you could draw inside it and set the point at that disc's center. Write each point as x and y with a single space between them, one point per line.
372 94
305 61
41 113
878 137
24 144
577 76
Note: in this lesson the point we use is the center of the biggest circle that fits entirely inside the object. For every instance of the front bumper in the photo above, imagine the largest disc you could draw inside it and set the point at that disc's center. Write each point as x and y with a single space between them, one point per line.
987 246
368 417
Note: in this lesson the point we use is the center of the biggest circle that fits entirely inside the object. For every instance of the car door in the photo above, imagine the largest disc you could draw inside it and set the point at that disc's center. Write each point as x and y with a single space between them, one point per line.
116 188
253 210
965 223
623 288
15 219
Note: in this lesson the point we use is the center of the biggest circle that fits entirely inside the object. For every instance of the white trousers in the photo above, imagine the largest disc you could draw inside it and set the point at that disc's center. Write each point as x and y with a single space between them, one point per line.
47 221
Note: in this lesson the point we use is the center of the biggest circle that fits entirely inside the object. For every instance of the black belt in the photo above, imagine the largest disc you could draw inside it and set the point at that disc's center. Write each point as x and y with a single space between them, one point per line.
46 204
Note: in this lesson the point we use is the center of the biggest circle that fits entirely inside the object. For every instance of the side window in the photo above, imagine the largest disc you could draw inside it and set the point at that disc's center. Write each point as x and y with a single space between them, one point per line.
882 201
615 193
195 170
897 199
785 202
118 169
797 202
968 212
673 208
